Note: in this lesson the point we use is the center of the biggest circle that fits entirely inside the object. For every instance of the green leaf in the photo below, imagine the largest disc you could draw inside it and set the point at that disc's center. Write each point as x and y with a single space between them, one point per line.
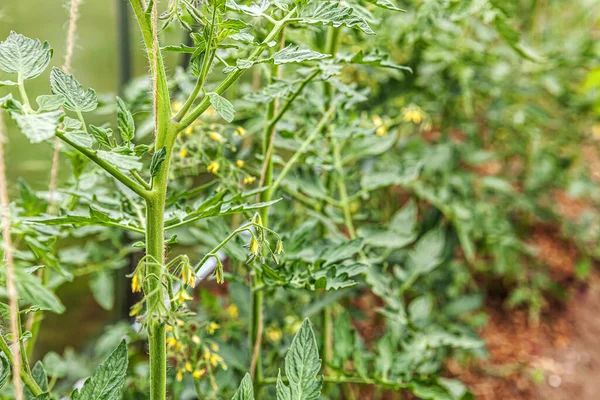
55 366
294 54
37 127
157 160
109 378
222 106
32 292
4 370
427 253
50 102
38 373
375 58
24 56
122 161
283 392
76 99
513 38
125 121
387 4
7 83
246 390
80 137
102 286
302 364
331 14
400 232
102 135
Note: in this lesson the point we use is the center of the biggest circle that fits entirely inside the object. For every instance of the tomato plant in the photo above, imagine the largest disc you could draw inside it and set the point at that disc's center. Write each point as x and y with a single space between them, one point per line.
320 162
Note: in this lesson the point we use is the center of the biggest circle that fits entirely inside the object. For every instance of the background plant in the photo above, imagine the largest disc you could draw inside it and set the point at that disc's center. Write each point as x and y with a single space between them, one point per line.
387 171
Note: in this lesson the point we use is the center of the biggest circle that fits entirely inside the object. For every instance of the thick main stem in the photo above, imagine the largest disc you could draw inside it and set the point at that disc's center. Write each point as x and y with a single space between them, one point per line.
156 326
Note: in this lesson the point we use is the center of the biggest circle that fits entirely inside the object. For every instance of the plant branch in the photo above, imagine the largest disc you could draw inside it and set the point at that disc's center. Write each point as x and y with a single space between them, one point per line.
209 56
25 376
112 170
307 142
234 76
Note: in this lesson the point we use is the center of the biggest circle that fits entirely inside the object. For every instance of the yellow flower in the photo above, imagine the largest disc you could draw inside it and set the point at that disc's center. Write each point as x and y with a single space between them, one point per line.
135 284
212 327
197 374
180 322
189 130
239 163
381 131
183 153
233 311
214 347
188 367
412 114
216 137
274 334
179 375
188 276
253 246
210 112
377 121
196 339
182 297
279 247
249 179
135 310
172 342
240 131
215 359
169 328
177 106
213 167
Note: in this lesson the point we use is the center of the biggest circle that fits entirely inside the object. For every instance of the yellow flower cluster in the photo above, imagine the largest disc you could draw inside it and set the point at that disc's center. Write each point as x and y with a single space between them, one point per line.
412 114
213 167
381 130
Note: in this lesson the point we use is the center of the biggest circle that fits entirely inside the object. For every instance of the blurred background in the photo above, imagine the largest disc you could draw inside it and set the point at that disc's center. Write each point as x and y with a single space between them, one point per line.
510 130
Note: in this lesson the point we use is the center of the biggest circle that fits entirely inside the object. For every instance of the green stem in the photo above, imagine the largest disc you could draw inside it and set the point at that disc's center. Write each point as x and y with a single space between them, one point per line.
234 76
25 374
337 160
305 145
209 56
121 177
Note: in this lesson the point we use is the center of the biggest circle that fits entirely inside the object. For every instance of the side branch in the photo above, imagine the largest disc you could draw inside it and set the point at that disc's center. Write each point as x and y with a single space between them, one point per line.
121 177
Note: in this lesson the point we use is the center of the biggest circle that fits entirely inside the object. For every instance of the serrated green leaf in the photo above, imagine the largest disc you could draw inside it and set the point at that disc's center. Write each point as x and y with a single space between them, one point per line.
282 391
302 365
157 160
4 370
125 121
222 106
108 380
102 135
37 127
76 98
24 56
246 390
121 161
50 102
72 123
330 13
80 137
294 54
